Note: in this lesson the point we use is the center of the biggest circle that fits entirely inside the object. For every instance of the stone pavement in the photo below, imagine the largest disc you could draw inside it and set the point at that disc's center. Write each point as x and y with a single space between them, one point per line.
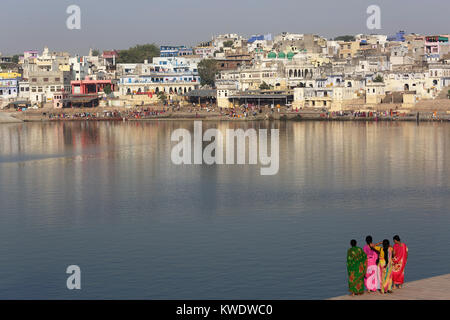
7 118
436 288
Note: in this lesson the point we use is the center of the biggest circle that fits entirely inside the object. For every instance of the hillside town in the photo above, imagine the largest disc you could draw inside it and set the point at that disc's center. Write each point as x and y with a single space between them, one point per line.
239 77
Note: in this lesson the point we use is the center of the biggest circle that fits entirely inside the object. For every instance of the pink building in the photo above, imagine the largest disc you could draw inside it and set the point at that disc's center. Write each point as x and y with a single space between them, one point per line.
90 86
436 45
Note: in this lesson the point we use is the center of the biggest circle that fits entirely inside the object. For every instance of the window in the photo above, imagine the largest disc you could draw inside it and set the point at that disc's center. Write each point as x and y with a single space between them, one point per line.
45 79
33 79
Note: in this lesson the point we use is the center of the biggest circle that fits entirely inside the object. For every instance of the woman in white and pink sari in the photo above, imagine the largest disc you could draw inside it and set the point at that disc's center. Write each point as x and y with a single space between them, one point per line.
372 280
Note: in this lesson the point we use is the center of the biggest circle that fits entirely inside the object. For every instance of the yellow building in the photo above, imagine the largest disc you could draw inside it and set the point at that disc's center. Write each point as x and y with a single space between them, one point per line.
348 49
9 75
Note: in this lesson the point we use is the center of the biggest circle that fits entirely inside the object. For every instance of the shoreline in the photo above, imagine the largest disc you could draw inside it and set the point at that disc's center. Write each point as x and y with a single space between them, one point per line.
434 288
318 119
201 115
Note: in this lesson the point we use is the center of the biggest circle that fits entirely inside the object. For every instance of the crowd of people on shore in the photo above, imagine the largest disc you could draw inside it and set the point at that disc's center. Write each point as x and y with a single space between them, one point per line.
244 111
127 114
376 267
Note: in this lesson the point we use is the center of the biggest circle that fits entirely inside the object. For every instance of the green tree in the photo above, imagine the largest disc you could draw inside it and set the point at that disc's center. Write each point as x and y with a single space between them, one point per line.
228 43
107 89
448 94
95 53
138 54
378 78
162 96
15 58
207 70
345 38
264 86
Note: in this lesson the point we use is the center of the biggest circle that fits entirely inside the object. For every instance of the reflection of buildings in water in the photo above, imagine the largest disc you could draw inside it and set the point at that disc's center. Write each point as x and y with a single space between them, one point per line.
332 153
346 152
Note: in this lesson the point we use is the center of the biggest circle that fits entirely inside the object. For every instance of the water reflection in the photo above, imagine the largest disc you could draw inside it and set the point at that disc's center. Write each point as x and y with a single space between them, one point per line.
106 196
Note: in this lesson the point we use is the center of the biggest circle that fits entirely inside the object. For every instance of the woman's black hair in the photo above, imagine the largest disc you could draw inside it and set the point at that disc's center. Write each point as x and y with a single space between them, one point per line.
396 237
369 240
353 243
386 250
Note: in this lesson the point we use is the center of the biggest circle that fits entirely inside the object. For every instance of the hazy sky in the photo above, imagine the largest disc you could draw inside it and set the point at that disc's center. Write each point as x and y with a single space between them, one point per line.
114 24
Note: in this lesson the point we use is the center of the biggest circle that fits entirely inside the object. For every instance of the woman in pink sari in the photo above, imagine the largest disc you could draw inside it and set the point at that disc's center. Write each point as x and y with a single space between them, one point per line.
372 278
399 261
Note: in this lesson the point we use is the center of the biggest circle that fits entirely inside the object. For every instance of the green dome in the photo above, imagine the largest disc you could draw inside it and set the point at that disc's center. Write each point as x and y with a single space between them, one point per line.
290 55
272 55
281 55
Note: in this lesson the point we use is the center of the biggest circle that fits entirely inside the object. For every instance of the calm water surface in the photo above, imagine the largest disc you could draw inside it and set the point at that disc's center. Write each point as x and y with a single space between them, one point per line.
105 196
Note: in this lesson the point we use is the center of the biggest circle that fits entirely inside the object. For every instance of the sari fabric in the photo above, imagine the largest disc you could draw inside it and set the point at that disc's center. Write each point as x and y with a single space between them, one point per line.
356 268
372 280
399 261
386 267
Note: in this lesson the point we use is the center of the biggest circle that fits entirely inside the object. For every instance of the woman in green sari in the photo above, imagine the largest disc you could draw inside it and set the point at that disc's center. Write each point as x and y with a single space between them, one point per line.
356 268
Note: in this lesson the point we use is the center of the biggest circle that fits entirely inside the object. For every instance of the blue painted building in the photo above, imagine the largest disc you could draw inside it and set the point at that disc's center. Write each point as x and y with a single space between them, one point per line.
399 36
9 86
261 37
175 51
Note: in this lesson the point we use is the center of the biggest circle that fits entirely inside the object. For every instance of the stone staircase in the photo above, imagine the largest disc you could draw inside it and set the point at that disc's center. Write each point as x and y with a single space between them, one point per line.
444 93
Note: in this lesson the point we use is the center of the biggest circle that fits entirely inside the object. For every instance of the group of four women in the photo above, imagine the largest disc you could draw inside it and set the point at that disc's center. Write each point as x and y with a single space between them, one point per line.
375 267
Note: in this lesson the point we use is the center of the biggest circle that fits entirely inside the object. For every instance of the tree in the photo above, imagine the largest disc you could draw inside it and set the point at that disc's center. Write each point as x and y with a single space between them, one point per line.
378 78
228 43
107 89
15 58
264 86
138 54
448 94
162 96
95 53
345 38
207 70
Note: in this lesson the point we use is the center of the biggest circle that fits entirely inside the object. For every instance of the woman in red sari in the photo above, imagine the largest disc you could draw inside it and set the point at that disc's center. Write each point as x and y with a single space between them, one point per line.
399 261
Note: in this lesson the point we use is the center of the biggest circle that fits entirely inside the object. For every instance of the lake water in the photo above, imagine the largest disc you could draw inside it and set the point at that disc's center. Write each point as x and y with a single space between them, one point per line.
106 196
